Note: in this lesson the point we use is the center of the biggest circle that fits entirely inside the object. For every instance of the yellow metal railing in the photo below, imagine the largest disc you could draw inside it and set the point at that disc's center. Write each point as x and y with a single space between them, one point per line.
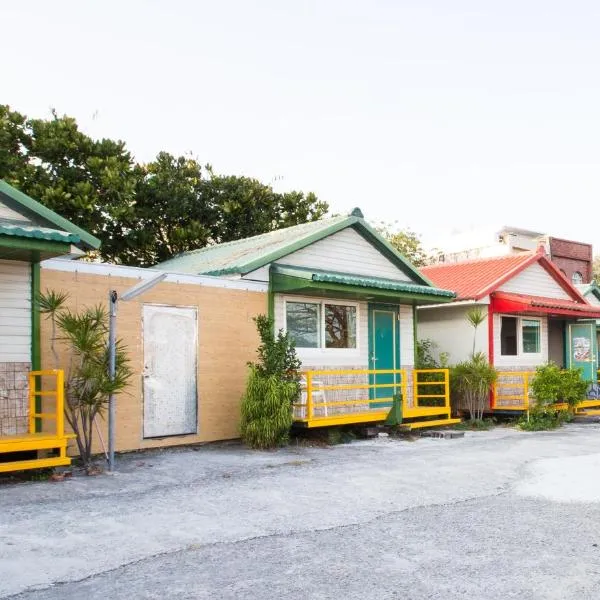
431 393
37 395
340 396
511 390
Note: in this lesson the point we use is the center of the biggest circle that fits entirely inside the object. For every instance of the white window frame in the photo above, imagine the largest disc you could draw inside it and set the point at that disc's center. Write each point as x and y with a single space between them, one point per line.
322 302
520 353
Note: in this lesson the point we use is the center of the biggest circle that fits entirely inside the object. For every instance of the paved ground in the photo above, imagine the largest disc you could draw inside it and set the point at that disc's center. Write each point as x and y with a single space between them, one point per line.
500 514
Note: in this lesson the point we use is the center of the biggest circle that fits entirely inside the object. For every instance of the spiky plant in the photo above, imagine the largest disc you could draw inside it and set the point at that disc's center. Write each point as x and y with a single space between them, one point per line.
475 316
84 338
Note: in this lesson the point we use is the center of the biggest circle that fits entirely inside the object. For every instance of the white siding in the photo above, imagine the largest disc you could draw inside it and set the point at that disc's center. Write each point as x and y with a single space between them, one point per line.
521 360
15 311
535 281
11 215
261 274
448 327
346 252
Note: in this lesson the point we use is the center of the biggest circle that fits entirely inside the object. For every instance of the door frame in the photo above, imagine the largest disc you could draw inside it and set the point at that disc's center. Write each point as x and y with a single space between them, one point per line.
594 349
196 362
373 307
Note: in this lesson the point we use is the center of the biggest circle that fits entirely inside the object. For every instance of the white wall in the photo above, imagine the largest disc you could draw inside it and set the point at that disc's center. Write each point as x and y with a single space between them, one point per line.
346 252
15 311
349 357
448 327
521 360
407 337
535 281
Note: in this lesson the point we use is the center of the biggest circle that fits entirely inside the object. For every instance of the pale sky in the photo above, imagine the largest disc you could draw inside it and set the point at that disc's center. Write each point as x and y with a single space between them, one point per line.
436 114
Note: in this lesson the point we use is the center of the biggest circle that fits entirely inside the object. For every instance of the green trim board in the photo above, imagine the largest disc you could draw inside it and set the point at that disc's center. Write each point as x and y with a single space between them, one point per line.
36 360
415 351
30 249
16 199
249 254
309 282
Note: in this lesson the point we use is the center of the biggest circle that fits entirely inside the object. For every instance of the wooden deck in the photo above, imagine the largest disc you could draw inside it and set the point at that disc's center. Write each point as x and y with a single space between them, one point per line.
48 439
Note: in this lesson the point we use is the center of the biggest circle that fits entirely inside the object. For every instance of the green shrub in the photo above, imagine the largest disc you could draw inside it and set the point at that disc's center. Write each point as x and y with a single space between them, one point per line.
273 386
552 384
542 418
267 410
472 381
426 359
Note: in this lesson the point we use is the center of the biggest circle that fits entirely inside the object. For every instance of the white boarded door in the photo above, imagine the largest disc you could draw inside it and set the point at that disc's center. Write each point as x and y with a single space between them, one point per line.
170 354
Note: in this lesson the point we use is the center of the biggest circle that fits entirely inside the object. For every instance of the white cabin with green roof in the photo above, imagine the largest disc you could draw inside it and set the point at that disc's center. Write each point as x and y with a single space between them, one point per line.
348 300
29 233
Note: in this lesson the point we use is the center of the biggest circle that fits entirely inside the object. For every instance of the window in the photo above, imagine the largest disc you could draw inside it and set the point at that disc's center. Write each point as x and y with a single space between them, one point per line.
508 336
321 324
531 336
340 326
516 332
577 278
302 321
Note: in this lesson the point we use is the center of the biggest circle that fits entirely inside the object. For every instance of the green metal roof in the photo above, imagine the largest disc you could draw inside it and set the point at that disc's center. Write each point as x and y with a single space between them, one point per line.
246 255
392 285
384 284
39 233
26 205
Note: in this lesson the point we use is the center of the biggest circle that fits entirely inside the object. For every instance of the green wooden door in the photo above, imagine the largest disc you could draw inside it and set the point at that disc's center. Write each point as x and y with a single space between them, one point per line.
384 352
582 351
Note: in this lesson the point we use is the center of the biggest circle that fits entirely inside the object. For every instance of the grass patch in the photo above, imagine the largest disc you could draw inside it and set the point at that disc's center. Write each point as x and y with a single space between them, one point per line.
476 425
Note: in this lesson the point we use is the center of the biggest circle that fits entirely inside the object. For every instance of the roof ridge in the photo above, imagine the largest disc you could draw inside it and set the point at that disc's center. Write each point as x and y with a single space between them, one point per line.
521 255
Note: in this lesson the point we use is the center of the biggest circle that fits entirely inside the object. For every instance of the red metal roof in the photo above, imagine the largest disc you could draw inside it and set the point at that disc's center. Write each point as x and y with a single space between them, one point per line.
474 279
508 302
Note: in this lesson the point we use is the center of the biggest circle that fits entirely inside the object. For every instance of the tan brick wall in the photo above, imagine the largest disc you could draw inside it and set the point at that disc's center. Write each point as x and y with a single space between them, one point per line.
227 340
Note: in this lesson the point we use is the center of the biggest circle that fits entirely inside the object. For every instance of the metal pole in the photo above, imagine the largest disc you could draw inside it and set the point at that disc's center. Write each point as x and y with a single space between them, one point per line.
112 356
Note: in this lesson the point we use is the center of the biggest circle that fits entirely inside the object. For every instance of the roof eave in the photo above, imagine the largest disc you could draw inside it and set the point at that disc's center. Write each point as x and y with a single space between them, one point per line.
87 239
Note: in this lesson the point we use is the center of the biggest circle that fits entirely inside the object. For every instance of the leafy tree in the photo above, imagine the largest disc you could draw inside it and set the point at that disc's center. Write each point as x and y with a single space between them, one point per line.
596 269
90 182
171 212
142 213
407 242
246 207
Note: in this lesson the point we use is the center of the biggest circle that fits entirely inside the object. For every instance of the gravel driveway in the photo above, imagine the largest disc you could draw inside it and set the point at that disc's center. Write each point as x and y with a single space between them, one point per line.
499 514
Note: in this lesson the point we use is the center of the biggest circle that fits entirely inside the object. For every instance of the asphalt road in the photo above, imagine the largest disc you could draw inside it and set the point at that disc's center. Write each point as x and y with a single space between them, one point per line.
502 514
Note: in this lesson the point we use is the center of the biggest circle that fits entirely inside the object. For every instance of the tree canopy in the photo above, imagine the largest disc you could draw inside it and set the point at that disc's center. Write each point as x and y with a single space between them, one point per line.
407 242
142 213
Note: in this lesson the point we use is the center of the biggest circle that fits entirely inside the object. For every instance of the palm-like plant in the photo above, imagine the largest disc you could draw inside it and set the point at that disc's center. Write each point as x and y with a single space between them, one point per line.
475 316
87 381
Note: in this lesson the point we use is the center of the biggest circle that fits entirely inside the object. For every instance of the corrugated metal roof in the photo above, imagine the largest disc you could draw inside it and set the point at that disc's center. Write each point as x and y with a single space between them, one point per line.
246 255
39 233
384 284
233 257
550 303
